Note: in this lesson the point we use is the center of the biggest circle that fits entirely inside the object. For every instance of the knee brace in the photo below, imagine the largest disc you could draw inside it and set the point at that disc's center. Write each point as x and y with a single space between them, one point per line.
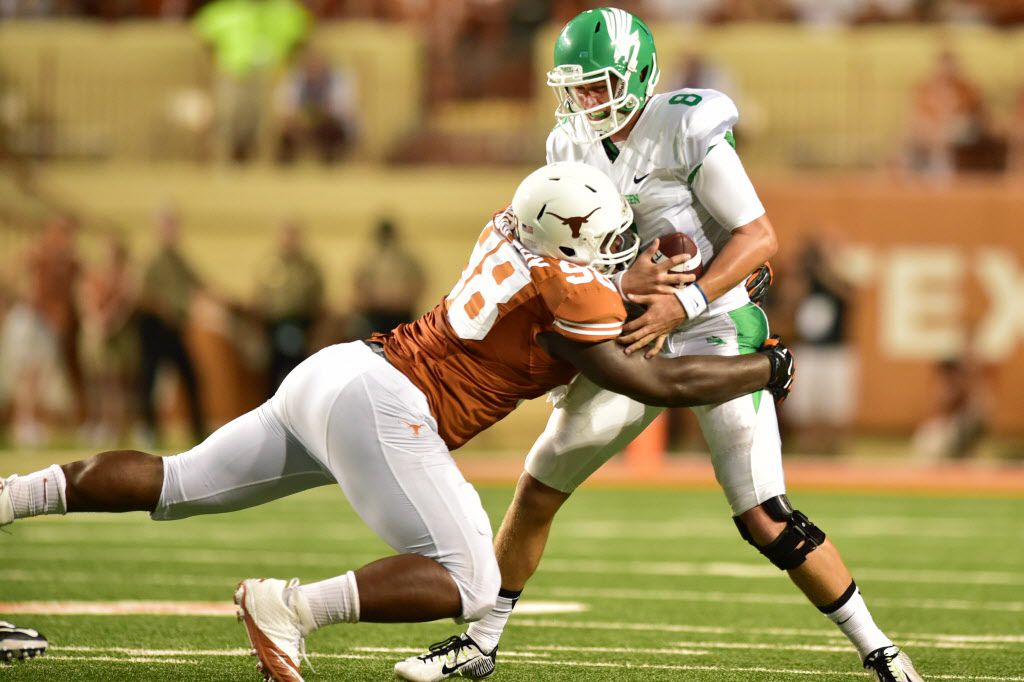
799 538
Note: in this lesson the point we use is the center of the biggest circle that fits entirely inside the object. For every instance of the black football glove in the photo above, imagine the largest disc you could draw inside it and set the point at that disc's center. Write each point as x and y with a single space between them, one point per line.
758 283
783 367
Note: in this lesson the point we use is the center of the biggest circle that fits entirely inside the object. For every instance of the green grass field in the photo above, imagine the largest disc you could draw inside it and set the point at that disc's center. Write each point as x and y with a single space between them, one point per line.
667 591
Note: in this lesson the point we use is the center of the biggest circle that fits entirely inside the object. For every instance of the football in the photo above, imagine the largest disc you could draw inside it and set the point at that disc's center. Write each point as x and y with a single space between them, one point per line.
675 244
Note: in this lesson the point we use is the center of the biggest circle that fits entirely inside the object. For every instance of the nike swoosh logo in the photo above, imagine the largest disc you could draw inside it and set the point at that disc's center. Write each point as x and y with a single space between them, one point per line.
445 670
640 178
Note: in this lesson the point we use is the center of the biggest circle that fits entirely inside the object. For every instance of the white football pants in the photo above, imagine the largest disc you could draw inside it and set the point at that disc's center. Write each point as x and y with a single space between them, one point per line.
589 424
347 415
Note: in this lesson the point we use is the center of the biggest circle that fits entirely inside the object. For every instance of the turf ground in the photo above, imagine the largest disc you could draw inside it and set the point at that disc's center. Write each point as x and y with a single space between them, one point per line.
663 586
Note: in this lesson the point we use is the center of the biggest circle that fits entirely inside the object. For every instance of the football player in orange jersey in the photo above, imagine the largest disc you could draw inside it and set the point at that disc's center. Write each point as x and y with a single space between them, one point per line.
532 309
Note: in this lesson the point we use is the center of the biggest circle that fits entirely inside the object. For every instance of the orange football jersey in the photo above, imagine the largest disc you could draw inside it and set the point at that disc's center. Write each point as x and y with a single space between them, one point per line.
476 354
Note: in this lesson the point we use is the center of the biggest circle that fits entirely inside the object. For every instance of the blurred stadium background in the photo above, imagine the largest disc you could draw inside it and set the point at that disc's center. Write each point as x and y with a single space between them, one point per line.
886 138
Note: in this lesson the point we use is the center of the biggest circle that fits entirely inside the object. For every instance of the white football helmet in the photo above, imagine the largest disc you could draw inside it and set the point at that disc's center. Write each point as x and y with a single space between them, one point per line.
574 212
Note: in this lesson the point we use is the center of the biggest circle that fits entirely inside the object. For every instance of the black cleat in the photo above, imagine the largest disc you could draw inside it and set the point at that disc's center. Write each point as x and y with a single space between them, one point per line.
20 643
891 665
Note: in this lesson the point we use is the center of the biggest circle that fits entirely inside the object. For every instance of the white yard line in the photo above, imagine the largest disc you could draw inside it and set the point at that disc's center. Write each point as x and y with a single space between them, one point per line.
538 651
245 652
936 639
525 608
131 651
763 570
337 560
131 607
120 608
151 656
119 659
60 554
774 599
12 575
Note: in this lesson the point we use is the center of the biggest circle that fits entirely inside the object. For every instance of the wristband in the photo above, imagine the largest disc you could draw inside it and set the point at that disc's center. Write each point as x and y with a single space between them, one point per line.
617 281
693 300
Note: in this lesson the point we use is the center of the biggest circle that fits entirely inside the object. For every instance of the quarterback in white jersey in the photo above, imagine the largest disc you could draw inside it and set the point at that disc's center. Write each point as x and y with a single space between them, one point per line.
658 169
672 155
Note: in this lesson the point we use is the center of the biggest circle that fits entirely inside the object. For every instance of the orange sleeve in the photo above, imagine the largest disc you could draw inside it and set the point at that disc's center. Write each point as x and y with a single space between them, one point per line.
588 311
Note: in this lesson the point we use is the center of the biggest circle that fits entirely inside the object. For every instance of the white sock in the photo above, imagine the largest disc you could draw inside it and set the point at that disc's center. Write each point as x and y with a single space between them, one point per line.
39 493
487 631
851 615
335 600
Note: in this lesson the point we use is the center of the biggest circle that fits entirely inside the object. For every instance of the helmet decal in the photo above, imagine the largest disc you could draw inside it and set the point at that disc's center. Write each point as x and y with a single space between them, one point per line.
575 224
625 43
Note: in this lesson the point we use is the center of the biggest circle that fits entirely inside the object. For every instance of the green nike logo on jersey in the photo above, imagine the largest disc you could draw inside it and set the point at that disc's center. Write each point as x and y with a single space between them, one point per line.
716 340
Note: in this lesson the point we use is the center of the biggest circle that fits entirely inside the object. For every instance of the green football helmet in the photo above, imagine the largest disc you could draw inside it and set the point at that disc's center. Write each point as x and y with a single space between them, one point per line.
606 47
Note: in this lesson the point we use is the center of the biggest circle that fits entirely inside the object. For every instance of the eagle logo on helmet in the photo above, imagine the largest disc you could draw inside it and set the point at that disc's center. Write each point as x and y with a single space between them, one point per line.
575 224
625 42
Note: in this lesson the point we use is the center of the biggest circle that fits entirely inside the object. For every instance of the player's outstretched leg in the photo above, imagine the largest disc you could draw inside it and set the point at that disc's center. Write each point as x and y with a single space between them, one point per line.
116 481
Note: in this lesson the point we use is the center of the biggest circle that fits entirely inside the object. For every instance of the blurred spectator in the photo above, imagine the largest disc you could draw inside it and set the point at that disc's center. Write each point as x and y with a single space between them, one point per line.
1016 138
884 11
249 39
29 369
474 48
290 293
949 128
316 106
169 286
564 10
1001 12
753 10
110 349
696 71
959 418
692 12
10 9
54 270
493 54
852 12
829 378
389 283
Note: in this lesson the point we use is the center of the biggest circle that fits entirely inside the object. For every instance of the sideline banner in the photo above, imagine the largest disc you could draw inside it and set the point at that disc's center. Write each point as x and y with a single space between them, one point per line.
939 269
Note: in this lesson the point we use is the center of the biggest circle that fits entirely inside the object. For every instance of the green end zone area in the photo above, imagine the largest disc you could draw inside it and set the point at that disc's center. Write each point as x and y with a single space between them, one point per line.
644 584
